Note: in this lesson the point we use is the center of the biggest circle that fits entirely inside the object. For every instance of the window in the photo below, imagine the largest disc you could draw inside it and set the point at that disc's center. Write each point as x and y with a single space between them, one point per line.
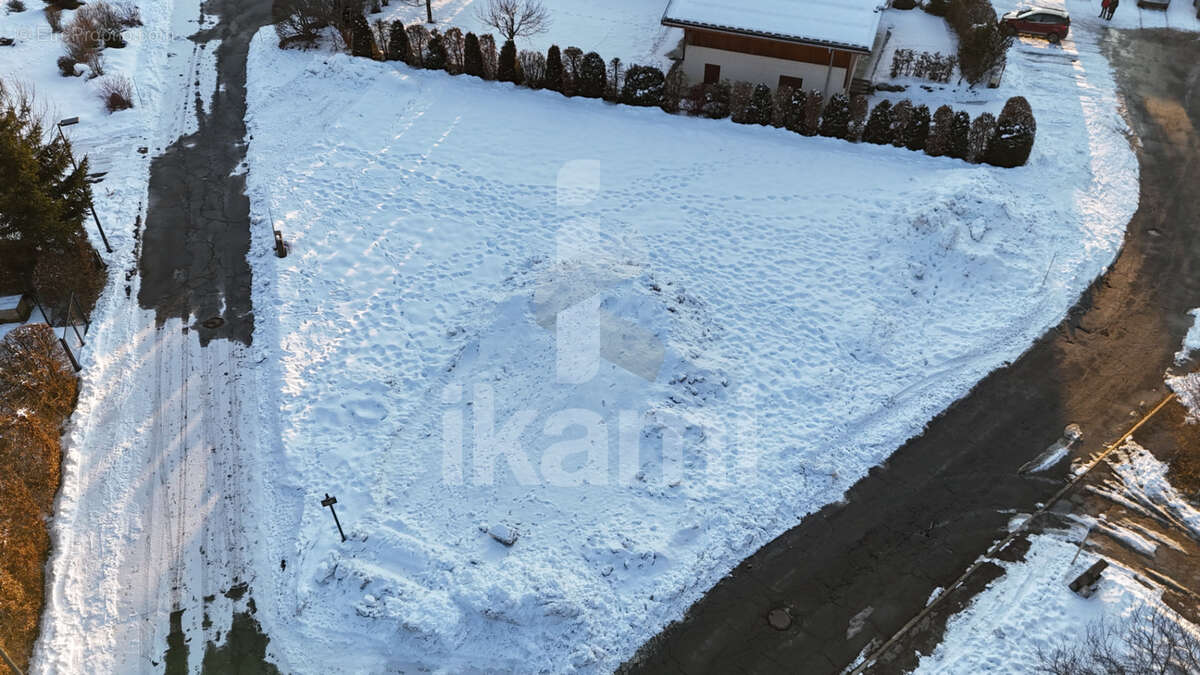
796 83
712 73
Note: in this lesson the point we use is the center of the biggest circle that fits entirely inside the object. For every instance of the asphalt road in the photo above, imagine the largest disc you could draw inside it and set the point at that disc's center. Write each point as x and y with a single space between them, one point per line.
855 572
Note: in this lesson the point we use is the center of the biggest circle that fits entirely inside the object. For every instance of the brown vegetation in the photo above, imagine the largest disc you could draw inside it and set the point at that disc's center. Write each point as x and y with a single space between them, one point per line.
37 393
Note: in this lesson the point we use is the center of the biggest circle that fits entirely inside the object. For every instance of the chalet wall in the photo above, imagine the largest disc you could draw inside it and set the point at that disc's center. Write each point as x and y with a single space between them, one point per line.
766 70
770 48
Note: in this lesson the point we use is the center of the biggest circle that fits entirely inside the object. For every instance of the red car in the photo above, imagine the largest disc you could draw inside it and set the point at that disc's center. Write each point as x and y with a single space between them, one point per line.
1054 24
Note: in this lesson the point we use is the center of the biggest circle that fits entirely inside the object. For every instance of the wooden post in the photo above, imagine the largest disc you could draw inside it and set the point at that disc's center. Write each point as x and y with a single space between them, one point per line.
330 501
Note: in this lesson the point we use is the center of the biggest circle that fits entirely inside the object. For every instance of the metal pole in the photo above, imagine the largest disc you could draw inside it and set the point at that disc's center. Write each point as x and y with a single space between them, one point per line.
103 237
330 501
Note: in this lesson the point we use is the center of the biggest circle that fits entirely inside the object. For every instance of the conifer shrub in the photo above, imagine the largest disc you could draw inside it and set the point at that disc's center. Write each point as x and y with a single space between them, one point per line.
644 86
1012 141
835 119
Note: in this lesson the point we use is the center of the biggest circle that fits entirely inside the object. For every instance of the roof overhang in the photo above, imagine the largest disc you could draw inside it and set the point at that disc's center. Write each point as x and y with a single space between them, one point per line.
779 37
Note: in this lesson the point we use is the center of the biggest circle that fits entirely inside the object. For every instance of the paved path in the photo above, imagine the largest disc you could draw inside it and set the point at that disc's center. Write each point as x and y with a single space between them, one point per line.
855 572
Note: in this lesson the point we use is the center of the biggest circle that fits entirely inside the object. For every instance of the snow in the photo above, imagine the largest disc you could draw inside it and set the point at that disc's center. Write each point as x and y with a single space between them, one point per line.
1191 341
1187 388
647 343
1180 14
916 30
627 29
849 23
1030 607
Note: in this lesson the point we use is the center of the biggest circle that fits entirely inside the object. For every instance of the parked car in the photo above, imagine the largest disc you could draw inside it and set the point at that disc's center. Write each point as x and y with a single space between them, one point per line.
1053 24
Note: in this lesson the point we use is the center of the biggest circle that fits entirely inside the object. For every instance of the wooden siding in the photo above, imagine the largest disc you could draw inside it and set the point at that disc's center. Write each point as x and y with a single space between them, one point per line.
770 48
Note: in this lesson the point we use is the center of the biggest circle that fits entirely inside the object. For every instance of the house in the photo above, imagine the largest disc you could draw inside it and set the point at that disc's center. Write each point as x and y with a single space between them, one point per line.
810 44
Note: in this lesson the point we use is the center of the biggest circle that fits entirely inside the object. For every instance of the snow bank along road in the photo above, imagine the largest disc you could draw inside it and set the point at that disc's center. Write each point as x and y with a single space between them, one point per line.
151 536
855 572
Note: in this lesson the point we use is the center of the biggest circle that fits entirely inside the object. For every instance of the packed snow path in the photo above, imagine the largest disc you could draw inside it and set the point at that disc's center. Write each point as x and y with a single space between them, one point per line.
152 535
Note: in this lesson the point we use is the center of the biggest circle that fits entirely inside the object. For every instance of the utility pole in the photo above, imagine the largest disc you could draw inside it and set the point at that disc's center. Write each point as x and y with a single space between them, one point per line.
66 123
330 501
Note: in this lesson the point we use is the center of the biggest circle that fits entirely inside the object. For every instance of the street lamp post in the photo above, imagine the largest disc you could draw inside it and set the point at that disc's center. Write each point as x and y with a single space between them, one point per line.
66 123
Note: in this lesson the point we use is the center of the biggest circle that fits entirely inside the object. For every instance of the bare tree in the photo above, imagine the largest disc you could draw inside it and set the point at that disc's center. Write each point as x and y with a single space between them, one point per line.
516 18
1147 641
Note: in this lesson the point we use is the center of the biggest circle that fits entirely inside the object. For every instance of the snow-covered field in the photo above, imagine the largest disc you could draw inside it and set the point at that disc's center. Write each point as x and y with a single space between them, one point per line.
645 344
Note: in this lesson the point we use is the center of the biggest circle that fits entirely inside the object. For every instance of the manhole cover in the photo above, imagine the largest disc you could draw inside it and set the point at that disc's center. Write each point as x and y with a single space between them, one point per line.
215 322
779 619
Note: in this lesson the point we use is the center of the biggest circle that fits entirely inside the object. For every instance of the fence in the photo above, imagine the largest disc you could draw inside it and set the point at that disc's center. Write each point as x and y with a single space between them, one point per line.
69 319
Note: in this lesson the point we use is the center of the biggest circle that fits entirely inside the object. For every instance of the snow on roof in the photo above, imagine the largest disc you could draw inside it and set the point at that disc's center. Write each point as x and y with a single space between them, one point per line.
842 23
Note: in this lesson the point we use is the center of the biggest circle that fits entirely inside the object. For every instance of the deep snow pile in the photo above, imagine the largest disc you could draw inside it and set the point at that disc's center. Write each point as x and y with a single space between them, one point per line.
634 346
1191 341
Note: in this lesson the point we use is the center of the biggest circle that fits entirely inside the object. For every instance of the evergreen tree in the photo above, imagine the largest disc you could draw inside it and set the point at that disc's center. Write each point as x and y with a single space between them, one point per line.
759 110
938 143
739 102
859 107
917 130
1012 140
901 114
835 120
554 69
812 113
878 126
593 76
43 198
435 57
960 135
507 69
675 84
397 42
980 136
362 40
472 56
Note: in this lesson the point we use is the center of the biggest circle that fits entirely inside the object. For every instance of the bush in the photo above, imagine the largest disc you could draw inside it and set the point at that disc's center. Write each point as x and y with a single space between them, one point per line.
835 120
66 66
780 101
644 86
716 100
761 105
858 117
1013 138
793 117
674 86
901 114
487 49
68 269
937 7
301 21
455 46
472 56
362 39
572 58
940 133
81 38
435 51
739 101
981 49
106 20
507 69
54 18
812 113
1148 640
117 92
397 43
593 76
533 68
878 126
960 135
616 74
916 132
15 6
554 69
982 130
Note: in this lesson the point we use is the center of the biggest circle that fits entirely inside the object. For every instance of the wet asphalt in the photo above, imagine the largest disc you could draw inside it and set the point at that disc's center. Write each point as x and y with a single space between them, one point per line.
915 523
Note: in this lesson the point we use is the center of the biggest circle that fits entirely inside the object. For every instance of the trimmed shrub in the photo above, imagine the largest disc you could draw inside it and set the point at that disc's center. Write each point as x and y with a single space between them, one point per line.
739 101
960 135
592 76
917 130
616 74
397 44
940 133
780 100
937 7
859 106
674 86
835 120
982 130
1012 140
554 69
435 51
472 56
898 122
572 58
455 47
793 117
878 129
487 48
15 6
761 106
644 86
362 39
507 71
812 113
716 100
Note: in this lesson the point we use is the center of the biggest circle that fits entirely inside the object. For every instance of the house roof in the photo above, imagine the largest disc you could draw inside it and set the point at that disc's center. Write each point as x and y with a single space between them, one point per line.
849 24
